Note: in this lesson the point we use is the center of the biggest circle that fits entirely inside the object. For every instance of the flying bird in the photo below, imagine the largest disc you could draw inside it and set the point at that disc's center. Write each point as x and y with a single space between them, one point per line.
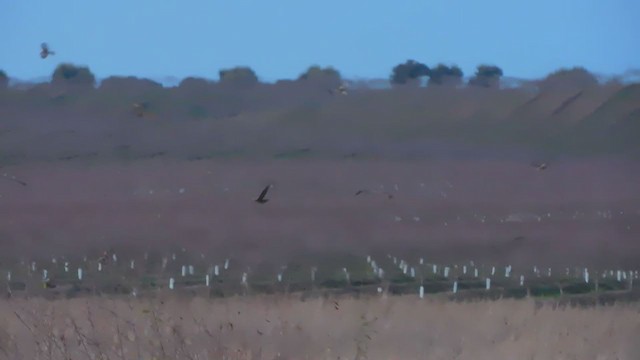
45 52
261 199
539 166
362 192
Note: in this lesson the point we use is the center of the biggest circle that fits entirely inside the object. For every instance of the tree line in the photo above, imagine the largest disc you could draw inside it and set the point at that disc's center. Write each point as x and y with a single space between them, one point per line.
410 72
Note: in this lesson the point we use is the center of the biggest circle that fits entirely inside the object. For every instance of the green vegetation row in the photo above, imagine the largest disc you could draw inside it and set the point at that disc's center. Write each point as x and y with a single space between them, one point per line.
338 274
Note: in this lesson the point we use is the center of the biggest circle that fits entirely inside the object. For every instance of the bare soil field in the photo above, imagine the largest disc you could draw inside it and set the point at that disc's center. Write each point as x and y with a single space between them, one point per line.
280 327
577 212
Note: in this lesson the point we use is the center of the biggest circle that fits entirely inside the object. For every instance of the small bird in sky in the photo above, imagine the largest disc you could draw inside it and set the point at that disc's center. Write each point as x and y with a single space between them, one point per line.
45 51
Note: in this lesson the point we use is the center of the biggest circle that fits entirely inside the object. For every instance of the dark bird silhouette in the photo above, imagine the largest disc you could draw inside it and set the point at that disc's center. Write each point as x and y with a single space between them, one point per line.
539 166
261 199
45 51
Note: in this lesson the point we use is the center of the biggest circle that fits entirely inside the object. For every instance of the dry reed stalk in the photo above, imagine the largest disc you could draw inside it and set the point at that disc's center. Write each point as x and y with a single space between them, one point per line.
82 340
101 353
156 324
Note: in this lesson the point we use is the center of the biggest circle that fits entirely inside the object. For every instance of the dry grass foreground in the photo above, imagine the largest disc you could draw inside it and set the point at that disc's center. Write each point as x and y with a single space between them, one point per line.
287 328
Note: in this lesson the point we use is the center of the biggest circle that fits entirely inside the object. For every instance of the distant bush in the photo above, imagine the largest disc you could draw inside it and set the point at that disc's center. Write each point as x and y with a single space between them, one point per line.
69 74
194 82
409 72
317 72
195 86
575 77
445 75
327 76
4 80
240 75
486 76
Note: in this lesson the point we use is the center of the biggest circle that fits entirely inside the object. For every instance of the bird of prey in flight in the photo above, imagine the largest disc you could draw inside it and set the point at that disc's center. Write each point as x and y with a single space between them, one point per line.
262 198
45 52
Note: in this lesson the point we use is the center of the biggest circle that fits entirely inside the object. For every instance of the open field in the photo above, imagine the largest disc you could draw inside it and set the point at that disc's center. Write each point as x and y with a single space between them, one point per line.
280 327
467 215
576 213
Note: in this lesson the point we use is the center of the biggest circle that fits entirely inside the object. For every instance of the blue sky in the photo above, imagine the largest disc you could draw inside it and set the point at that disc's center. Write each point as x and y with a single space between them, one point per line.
281 38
